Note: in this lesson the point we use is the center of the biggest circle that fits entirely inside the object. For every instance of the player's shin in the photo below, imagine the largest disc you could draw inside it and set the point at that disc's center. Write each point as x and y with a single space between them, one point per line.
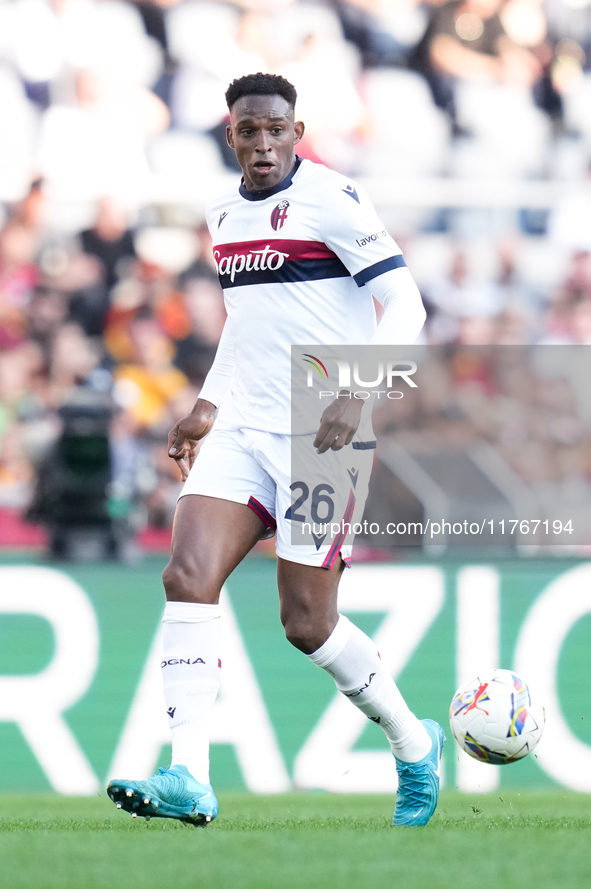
191 674
353 661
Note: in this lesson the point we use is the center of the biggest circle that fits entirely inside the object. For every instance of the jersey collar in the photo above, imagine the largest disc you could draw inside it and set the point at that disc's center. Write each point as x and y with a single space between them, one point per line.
262 195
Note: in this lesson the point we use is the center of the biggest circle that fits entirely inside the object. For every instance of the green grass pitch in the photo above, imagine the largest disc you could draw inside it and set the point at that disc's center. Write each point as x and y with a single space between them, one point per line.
318 841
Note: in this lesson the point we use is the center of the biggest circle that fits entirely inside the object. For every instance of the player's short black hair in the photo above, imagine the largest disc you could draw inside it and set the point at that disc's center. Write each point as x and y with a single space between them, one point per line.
261 85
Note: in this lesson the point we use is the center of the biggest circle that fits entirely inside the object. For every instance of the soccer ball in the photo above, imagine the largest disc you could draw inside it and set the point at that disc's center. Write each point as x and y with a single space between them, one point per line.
495 717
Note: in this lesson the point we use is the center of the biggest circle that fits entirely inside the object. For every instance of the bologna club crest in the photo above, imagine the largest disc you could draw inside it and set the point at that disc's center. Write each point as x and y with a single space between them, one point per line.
279 215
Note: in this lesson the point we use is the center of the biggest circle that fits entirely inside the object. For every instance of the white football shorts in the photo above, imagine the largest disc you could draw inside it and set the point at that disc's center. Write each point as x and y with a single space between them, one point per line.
312 501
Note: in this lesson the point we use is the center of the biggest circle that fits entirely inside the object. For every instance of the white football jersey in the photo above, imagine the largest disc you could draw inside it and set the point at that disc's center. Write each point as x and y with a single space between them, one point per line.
293 262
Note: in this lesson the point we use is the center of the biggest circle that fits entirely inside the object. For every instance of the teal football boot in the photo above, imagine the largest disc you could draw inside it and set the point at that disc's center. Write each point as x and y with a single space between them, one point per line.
174 793
418 782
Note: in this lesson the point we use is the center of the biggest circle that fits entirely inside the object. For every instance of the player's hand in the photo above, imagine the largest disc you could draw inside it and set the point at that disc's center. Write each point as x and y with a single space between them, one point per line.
338 424
184 435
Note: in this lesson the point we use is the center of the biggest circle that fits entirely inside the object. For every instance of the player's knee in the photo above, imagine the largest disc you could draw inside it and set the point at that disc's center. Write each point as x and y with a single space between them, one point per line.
300 637
186 581
304 634
177 581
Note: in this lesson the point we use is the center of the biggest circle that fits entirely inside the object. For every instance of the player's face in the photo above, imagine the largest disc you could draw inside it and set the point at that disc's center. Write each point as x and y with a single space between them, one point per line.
263 134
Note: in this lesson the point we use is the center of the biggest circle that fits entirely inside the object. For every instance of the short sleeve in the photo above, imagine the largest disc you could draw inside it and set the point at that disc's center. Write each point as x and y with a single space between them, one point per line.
352 229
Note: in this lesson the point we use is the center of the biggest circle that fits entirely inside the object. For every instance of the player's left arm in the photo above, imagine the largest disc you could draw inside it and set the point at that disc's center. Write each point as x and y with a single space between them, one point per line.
351 227
401 323
404 313
338 423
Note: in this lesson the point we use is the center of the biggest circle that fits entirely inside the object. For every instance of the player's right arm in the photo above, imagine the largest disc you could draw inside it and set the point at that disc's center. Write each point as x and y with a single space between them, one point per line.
184 435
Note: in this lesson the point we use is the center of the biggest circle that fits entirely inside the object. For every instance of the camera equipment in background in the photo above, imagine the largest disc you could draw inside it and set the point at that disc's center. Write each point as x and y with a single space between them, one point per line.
73 483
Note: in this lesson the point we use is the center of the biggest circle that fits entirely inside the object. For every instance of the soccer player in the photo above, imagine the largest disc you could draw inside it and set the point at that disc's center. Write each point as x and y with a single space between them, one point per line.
299 251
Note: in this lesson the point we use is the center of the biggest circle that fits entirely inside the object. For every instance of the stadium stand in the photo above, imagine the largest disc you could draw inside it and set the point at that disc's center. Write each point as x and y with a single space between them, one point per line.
112 141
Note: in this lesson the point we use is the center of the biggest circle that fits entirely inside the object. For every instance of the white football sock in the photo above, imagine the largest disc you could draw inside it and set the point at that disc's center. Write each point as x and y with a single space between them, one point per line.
191 678
353 661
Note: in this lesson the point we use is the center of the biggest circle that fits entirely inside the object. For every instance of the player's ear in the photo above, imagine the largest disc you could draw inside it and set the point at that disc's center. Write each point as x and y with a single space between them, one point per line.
229 136
299 131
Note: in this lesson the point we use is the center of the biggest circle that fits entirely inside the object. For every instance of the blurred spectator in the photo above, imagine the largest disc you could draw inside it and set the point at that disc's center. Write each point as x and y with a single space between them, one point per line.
461 299
94 144
154 19
146 386
21 385
513 326
325 70
383 32
569 319
79 277
74 357
151 289
214 43
45 313
466 39
203 266
18 276
205 307
110 239
49 39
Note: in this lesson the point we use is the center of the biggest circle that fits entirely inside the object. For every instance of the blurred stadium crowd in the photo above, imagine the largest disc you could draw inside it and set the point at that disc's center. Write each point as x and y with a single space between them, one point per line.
113 138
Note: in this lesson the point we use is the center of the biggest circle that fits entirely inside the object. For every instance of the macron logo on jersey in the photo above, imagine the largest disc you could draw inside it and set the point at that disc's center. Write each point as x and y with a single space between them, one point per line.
352 192
222 217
